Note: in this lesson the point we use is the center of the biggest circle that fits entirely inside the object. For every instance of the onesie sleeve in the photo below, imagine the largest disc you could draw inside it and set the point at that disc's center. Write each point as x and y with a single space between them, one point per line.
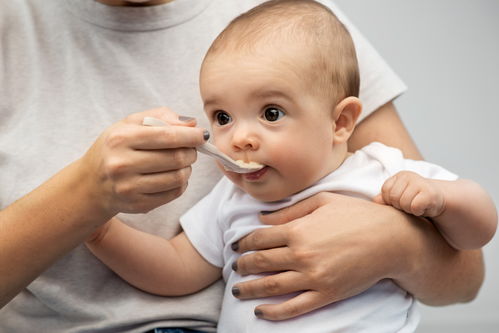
429 170
202 226
393 161
379 84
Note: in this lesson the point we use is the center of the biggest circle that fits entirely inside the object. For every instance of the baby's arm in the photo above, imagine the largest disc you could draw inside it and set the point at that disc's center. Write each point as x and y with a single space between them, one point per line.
461 209
151 263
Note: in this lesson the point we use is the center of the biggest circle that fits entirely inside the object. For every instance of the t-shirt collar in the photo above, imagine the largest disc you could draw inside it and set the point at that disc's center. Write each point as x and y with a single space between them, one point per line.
136 18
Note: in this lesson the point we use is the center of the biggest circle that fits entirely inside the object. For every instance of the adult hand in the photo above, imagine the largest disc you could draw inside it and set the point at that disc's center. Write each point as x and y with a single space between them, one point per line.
129 168
334 247
134 168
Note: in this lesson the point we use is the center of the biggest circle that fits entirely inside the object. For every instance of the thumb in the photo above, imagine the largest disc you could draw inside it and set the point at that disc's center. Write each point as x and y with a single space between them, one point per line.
291 213
379 199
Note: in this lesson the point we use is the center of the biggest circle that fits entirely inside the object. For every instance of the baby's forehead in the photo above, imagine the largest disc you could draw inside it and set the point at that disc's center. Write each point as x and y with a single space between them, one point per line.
263 64
249 40
295 52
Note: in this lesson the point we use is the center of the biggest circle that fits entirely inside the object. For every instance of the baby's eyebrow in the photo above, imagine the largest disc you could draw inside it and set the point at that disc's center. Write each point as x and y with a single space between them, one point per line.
266 93
210 102
213 101
261 93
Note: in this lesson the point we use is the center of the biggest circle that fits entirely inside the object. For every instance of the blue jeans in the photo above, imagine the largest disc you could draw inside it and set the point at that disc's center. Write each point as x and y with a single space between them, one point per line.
172 330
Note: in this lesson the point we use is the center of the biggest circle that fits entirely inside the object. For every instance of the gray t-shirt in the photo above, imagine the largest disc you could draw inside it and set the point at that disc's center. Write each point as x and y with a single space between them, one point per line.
71 68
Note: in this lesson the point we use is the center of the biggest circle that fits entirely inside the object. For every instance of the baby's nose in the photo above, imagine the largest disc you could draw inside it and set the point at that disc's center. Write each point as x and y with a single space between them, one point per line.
245 140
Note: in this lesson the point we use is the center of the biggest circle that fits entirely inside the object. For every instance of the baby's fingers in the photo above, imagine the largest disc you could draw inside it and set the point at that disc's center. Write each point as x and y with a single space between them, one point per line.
392 191
298 305
379 199
386 189
420 204
428 204
407 203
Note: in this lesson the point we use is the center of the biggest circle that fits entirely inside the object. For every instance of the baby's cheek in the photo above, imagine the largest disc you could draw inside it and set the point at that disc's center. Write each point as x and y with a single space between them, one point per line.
280 158
288 162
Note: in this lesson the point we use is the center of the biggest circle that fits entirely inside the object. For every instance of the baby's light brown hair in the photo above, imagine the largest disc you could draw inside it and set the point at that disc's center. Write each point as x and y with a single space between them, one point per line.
332 65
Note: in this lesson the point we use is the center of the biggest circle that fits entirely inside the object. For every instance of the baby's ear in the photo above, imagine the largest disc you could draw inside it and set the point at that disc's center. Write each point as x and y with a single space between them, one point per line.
345 115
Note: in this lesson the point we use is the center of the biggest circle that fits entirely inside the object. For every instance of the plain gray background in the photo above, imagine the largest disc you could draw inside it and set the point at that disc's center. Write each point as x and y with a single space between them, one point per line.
447 52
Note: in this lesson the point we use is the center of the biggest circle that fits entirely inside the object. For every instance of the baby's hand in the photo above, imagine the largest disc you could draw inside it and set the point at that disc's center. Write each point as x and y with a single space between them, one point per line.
413 194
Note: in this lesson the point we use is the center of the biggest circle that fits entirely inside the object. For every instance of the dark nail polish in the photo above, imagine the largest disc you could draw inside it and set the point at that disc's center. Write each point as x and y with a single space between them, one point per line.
206 135
266 212
234 266
258 313
235 291
186 119
235 246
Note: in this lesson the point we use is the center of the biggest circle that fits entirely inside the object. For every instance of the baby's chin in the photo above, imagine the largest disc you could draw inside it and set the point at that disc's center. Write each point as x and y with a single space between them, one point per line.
264 195
263 185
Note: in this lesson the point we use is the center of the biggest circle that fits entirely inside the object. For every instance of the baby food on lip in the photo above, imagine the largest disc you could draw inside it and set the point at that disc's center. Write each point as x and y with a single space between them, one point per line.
249 165
255 175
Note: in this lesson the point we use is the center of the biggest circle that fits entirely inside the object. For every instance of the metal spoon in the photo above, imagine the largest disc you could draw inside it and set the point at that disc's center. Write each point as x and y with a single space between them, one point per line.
211 150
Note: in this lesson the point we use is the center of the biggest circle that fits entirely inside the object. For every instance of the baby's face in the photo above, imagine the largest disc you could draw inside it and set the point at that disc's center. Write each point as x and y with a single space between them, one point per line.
261 110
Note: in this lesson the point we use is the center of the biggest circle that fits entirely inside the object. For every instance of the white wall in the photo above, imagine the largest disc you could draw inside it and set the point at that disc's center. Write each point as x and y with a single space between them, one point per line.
447 52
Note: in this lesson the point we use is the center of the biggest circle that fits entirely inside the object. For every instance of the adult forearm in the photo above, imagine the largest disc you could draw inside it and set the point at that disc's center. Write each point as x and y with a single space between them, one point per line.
41 227
385 126
436 273
130 168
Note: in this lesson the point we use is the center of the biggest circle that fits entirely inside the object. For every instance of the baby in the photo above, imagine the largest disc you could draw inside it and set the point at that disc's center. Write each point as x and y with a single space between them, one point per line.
280 87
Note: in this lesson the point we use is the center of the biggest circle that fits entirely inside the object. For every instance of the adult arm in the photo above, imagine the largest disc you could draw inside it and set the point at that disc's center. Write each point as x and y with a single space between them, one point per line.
130 168
335 246
384 125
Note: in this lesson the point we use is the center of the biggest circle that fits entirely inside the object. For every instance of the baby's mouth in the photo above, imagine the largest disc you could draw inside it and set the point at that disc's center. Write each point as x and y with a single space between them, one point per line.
253 176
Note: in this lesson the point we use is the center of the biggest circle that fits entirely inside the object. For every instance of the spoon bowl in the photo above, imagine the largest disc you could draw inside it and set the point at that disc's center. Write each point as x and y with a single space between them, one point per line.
212 151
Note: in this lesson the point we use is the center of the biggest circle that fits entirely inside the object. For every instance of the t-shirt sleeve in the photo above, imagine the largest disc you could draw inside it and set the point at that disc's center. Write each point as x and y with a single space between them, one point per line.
379 84
202 226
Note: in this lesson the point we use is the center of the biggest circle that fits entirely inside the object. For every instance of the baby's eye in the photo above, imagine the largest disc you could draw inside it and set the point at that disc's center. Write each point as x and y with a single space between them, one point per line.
223 118
273 113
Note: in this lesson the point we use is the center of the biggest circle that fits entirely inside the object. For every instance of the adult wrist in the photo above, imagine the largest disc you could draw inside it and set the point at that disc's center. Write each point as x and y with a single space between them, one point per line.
88 196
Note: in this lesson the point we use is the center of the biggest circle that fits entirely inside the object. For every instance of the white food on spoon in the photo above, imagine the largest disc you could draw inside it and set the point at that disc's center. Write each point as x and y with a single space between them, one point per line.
238 166
249 165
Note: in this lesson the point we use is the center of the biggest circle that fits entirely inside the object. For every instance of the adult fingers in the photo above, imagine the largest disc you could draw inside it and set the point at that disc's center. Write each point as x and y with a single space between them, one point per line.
296 211
163 181
149 162
144 202
296 306
165 160
271 285
277 259
156 137
261 239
